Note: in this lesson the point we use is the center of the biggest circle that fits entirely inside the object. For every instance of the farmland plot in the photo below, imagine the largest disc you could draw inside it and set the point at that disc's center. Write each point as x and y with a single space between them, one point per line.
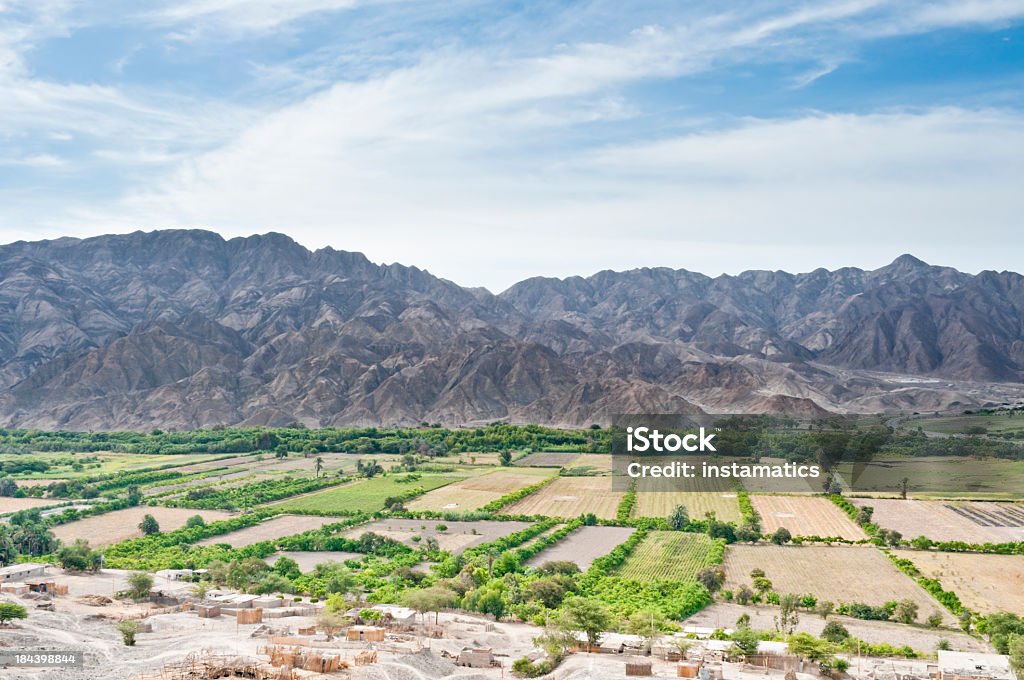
667 556
120 525
366 495
571 497
984 583
805 516
836 573
476 492
659 497
583 546
10 504
548 459
277 527
973 522
455 537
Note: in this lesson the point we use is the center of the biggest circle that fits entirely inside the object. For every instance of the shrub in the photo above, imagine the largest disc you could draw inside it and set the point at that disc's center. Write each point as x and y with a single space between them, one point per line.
128 630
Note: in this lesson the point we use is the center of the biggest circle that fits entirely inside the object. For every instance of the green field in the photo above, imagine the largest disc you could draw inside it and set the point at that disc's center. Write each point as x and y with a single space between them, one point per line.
939 477
668 556
366 495
978 423
103 462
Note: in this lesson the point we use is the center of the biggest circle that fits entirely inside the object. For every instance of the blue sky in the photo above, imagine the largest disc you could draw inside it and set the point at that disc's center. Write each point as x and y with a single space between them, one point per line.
491 141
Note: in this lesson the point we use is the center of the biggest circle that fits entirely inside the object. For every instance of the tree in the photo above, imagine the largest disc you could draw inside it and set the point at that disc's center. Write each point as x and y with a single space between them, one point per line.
906 611
287 567
781 536
194 522
149 526
8 487
134 495
934 620
128 630
746 640
273 583
10 611
648 624
711 577
864 514
1016 653
762 584
824 608
586 615
78 556
432 599
788 616
904 483
319 465
744 593
505 457
835 632
679 518
139 585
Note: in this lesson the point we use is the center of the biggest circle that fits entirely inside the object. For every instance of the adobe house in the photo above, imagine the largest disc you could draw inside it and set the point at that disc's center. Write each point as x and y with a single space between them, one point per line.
19 572
475 658
973 666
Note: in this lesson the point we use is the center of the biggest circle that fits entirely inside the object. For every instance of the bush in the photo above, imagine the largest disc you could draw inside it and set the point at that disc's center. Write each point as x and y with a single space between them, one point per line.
139 585
10 612
128 630
835 632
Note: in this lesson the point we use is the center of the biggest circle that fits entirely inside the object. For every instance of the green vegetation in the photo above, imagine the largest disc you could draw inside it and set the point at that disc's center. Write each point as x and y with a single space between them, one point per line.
368 495
10 612
671 556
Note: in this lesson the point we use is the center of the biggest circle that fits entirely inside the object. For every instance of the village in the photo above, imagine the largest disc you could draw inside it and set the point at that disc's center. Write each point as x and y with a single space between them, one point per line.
225 633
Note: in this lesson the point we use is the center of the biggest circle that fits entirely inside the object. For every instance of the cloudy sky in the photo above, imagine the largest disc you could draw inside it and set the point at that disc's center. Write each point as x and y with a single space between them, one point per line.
489 141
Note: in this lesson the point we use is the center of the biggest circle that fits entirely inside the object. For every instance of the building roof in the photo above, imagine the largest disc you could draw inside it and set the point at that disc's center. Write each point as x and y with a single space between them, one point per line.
22 568
772 647
975 664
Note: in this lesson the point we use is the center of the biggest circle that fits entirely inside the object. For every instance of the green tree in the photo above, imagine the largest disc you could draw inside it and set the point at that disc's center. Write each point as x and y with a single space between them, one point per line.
788 616
586 615
149 526
432 599
287 567
648 624
679 518
319 465
505 457
835 632
906 611
128 631
10 611
781 536
824 608
711 577
1016 653
78 556
139 585
746 640
194 522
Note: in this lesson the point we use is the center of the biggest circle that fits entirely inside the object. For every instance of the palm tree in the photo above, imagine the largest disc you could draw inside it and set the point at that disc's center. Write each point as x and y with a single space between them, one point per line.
319 465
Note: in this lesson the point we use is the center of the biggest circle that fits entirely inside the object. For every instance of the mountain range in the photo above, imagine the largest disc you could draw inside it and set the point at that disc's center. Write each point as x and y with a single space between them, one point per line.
184 329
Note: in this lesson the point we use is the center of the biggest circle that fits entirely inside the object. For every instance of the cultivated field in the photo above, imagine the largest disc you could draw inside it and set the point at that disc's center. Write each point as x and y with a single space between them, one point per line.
583 546
9 504
836 573
456 536
283 525
104 462
476 492
308 560
600 462
697 504
548 459
939 477
120 525
949 521
667 556
571 497
805 516
367 495
984 583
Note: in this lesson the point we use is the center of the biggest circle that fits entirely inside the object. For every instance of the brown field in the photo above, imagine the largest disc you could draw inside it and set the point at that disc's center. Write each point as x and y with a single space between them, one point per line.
282 525
837 573
805 516
120 525
571 497
984 583
474 493
948 520
548 459
583 546
456 537
9 504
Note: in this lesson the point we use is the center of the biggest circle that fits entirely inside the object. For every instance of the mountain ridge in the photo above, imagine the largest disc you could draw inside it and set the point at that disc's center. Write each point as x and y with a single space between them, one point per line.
183 328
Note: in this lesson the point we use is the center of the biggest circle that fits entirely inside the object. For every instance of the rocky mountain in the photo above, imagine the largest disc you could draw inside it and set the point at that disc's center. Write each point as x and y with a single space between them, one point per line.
187 329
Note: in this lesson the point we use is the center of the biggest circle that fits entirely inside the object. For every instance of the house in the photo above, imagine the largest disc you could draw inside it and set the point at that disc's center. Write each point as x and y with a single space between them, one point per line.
19 572
973 666
41 584
364 634
395 613
176 574
475 658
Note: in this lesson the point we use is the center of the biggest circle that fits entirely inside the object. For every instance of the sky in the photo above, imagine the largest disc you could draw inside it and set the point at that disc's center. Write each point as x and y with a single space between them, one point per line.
491 141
